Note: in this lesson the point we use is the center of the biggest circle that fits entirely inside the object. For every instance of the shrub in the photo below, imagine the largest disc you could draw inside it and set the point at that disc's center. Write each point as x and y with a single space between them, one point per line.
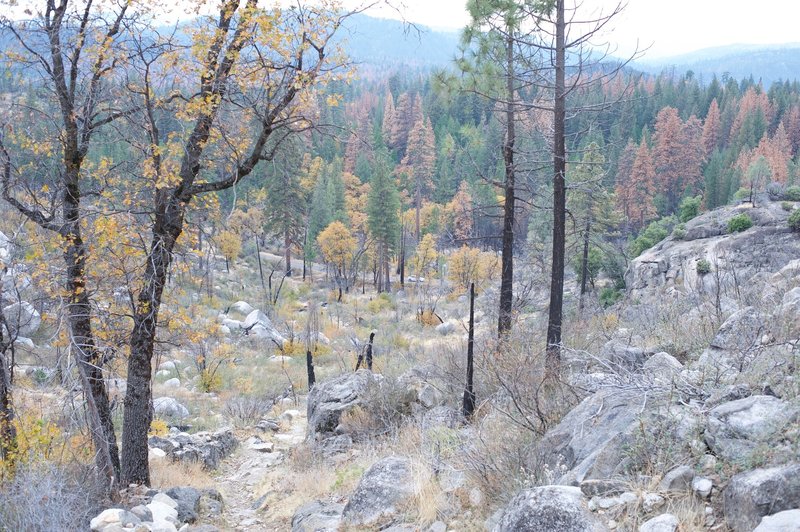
247 411
689 208
380 303
209 381
792 193
50 497
609 296
652 235
794 220
739 223
158 427
787 206
703 267
775 191
679 232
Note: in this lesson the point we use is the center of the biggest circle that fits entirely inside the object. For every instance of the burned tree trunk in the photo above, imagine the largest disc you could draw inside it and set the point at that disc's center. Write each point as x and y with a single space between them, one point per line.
468 407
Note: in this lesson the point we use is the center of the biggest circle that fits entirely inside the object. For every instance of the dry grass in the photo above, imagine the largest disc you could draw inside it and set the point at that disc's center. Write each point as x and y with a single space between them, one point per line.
165 473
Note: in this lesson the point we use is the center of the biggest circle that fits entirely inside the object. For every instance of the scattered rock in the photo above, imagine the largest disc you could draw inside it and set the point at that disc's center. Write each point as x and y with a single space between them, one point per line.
607 503
208 448
678 479
114 519
754 494
548 508
702 487
602 487
317 516
791 302
652 501
172 383
623 355
383 489
446 328
662 523
736 428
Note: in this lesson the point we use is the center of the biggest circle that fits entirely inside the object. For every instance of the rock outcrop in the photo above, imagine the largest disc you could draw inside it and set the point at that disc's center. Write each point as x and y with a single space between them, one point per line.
670 267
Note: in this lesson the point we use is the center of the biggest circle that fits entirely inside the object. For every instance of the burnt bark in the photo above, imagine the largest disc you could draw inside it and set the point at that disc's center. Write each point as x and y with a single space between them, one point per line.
507 266
555 315
468 404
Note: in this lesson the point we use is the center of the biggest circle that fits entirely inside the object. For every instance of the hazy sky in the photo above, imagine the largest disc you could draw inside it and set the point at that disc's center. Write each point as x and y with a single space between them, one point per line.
669 27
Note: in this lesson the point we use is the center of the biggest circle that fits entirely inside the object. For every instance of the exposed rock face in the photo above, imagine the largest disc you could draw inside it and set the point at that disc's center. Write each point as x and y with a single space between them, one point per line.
384 489
754 494
734 429
22 319
590 441
548 508
317 517
328 400
204 447
670 267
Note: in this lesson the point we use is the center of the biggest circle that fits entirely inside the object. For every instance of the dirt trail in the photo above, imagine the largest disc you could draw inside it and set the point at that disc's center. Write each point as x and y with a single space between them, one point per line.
250 480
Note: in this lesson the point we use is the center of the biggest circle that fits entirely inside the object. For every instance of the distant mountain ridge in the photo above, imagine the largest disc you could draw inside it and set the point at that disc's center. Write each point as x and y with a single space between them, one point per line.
377 41
769 63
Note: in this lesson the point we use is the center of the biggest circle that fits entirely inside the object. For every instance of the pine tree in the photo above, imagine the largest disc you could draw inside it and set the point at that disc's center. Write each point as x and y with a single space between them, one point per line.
284 215
383 207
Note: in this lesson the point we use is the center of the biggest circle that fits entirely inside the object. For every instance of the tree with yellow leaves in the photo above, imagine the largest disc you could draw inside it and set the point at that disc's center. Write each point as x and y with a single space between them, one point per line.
338 247
230 244
471 265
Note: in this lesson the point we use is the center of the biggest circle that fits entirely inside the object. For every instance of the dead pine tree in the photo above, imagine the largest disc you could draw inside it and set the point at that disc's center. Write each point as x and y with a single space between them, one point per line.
468 406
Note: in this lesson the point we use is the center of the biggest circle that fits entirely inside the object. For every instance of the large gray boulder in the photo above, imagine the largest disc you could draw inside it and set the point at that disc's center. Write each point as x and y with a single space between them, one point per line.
591 441
317 516
548 508
383 491
786 521
734 429
329 400
258 325
22 319
754 494
169 408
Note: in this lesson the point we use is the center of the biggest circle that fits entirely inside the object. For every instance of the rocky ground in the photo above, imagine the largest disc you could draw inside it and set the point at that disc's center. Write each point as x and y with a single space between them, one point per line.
678 409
